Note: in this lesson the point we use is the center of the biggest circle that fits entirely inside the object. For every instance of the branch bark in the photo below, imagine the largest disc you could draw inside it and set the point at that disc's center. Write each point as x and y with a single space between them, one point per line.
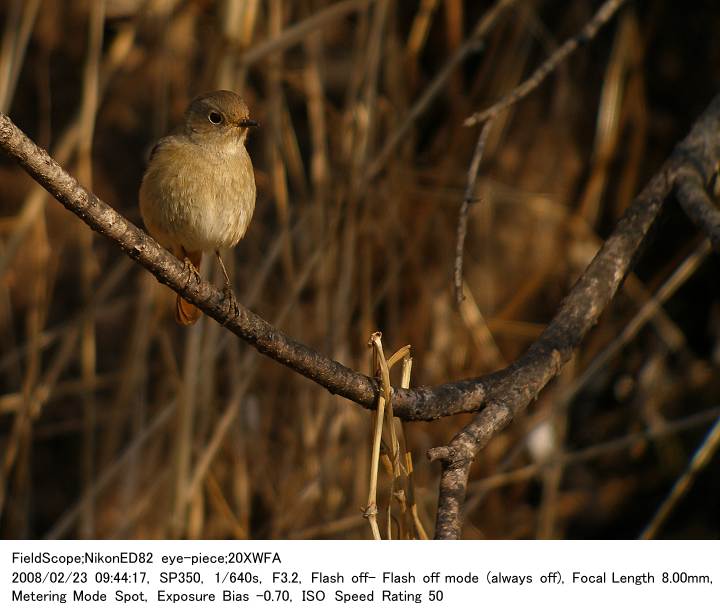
695 200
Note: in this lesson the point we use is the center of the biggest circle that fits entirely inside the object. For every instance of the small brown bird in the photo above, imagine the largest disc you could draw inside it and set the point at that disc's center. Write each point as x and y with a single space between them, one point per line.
198 192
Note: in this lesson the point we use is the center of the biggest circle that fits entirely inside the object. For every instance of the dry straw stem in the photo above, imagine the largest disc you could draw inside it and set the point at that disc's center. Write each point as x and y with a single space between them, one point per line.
401 476
500 394
525 473
247 370
67 144
32 403
88 342
702 456
297 33
14 45
378 361
66 522
472 45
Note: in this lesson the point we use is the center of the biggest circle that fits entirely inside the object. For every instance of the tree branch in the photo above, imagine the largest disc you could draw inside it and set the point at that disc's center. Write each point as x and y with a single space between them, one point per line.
696 202
502 394
417 404
580 310
170 271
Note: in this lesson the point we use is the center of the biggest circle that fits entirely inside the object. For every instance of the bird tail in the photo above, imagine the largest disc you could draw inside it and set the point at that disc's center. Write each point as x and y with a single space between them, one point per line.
185 312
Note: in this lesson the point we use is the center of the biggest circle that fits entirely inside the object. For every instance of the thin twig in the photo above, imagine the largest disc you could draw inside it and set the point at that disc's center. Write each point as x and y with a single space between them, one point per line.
591 28
468 199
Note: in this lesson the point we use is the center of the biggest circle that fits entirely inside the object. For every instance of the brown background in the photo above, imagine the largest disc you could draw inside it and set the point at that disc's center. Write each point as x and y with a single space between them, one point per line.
90 355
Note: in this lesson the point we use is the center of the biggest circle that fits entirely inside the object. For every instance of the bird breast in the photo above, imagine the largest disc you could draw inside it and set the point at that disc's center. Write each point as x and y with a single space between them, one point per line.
199 196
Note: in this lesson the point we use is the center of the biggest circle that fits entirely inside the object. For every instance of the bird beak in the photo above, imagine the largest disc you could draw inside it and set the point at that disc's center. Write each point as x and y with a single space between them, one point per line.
248 123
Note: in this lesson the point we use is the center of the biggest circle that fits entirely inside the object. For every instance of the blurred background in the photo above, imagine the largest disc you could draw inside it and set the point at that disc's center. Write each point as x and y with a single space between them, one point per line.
117 423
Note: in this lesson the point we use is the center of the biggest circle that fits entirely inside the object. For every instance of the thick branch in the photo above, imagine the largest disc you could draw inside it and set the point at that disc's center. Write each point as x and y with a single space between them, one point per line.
421 403
696 202
526 377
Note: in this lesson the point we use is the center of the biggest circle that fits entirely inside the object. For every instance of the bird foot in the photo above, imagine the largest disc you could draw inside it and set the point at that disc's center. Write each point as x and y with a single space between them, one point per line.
191 271
231 302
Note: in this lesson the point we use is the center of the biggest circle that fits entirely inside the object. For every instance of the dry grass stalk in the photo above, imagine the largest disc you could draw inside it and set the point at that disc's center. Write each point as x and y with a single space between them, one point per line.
397 461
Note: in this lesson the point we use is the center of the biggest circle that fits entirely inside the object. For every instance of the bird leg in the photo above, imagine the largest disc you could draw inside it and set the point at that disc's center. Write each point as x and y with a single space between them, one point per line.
228 295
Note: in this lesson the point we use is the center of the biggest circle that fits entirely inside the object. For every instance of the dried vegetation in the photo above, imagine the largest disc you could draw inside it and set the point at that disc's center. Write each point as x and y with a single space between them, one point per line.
114 422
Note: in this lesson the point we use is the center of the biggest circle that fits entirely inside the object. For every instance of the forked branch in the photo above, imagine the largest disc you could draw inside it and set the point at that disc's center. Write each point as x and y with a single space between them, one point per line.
690 167
499 395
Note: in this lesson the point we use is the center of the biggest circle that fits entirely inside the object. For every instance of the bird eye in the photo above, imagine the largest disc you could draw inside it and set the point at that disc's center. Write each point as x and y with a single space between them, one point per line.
214 117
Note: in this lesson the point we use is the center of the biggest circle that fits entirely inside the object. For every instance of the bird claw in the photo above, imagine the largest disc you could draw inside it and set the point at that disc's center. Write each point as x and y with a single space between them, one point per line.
191 271
231 302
